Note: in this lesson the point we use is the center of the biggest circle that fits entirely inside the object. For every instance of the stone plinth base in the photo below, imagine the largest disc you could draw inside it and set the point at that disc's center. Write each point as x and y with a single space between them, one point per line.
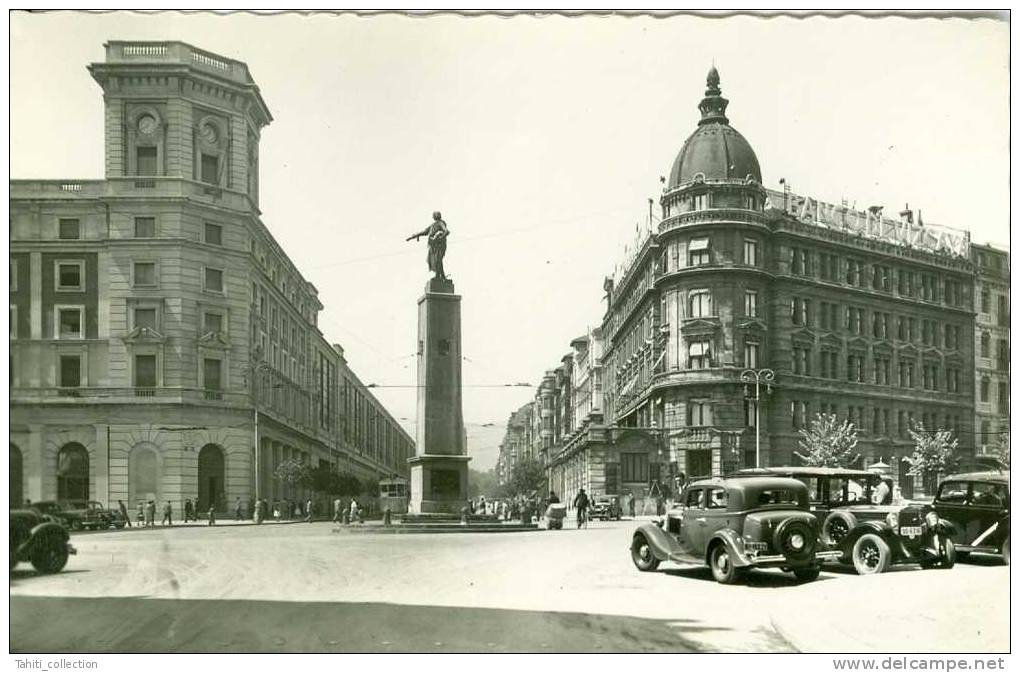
438 484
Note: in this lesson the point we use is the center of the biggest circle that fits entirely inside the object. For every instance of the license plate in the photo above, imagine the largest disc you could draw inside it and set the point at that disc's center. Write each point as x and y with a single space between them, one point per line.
910 531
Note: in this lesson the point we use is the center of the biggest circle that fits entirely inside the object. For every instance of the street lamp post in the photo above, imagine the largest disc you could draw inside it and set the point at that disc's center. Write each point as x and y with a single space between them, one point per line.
758 376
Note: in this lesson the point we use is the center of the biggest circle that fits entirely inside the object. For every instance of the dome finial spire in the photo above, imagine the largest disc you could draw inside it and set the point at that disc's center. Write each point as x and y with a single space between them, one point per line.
713 105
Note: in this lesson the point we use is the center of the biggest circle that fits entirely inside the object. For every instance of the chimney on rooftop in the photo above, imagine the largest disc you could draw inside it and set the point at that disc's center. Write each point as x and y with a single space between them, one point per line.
907 215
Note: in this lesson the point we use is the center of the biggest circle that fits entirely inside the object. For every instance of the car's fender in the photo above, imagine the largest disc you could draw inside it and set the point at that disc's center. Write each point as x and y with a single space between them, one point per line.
880 528
46 530
660 542
946 527
734 546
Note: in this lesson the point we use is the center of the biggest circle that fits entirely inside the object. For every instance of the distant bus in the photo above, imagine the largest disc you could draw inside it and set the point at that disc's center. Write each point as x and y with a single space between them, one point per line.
394 494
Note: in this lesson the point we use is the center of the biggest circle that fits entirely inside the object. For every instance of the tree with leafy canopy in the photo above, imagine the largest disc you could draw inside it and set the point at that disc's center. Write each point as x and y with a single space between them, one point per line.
1002 448
294 472
828 442
933 453
527 476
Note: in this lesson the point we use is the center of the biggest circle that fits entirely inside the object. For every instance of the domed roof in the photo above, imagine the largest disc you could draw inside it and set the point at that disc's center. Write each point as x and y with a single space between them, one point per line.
715 149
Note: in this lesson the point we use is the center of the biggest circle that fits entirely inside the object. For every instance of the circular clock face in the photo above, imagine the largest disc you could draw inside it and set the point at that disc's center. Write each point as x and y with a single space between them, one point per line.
147 124
209 133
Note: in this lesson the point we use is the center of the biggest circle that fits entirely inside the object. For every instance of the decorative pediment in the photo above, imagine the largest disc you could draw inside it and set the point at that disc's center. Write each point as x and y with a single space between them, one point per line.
831 340
883 347
752 324
857 342
803 334
213 340
144 335
908 349
700 326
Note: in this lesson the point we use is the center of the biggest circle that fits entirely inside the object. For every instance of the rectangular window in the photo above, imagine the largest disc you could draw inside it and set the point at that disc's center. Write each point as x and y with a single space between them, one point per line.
213 280
698 253
751 354
12 321
701 304
212 323
211 368
70 371
69 229
750 252
13 274
801 360
750 412
1004 397
751 303
145 371
69 322
145 163
634 467
145 317
1003 317
210 169
985 384
699 414
144 274
798 414
145 227
1003 354
213 234
71 276
699 354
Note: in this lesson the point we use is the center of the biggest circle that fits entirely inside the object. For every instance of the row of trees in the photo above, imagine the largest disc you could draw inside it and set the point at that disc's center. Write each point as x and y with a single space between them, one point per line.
830 442
324 479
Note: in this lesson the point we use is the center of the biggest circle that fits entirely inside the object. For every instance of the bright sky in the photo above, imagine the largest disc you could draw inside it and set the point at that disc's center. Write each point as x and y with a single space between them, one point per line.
540 140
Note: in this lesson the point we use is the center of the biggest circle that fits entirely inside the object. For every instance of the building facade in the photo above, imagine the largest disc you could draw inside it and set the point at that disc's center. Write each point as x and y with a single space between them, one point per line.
827 309
991 346
162 344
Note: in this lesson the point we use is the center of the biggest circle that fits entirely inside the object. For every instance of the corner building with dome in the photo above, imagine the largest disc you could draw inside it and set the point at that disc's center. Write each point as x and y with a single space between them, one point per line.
856 314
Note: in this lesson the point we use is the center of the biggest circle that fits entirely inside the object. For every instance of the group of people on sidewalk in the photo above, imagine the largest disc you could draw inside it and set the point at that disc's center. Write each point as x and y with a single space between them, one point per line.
146 517
346 514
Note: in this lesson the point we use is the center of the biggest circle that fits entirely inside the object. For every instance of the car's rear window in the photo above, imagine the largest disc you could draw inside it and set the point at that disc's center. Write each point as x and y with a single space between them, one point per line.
774 496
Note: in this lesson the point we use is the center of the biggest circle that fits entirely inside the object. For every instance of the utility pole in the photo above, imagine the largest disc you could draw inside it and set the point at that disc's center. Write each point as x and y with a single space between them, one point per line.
758 376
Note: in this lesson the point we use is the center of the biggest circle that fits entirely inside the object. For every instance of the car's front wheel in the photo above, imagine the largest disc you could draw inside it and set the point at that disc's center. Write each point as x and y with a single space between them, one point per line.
871 555
806 574
722 566
50 554
641 554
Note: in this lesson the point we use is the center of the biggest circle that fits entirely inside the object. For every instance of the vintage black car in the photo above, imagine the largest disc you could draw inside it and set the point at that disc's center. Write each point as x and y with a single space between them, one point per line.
977 503
858 518
605 509
733 525
36 538
91 515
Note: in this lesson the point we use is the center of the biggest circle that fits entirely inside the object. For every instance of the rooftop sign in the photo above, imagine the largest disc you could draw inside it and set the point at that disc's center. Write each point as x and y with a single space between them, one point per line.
871 224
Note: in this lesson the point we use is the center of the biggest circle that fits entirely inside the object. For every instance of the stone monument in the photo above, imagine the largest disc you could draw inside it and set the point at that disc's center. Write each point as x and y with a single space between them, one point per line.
439 466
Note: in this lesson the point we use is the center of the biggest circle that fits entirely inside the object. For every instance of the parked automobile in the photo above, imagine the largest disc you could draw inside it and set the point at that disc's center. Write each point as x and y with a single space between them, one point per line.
858 518
92 515
605 508
733 525
38 539
977 504
55 511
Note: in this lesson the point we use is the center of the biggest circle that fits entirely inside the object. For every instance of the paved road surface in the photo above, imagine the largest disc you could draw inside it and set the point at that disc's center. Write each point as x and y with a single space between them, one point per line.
302 588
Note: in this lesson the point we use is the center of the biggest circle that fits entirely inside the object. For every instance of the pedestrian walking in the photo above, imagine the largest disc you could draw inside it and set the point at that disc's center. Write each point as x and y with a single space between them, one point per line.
581 504
212 515
189 511
355 512
238 511
338 506
150 513
630 504
167 514
276 510
141 514
124 513
308 511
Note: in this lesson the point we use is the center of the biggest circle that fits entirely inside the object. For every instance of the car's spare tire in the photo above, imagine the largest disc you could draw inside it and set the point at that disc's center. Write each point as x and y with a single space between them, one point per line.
795 539
836 527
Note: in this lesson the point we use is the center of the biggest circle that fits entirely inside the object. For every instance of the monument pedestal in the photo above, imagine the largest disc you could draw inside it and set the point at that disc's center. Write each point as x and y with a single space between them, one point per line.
438 484
439 468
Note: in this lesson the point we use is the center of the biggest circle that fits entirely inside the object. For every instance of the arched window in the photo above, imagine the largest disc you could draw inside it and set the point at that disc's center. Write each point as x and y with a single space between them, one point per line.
210 478
143 475
73 473
17 478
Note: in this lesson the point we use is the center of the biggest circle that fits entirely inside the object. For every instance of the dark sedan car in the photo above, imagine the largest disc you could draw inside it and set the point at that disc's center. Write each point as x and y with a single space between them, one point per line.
36 538
732 525
977 503
858 517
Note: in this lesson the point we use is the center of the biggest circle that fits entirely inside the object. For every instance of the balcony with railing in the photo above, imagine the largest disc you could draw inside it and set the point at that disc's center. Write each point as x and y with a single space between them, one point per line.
177 52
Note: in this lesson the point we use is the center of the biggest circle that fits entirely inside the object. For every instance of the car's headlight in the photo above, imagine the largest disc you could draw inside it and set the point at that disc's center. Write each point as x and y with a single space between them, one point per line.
797 541
932 519
892 519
